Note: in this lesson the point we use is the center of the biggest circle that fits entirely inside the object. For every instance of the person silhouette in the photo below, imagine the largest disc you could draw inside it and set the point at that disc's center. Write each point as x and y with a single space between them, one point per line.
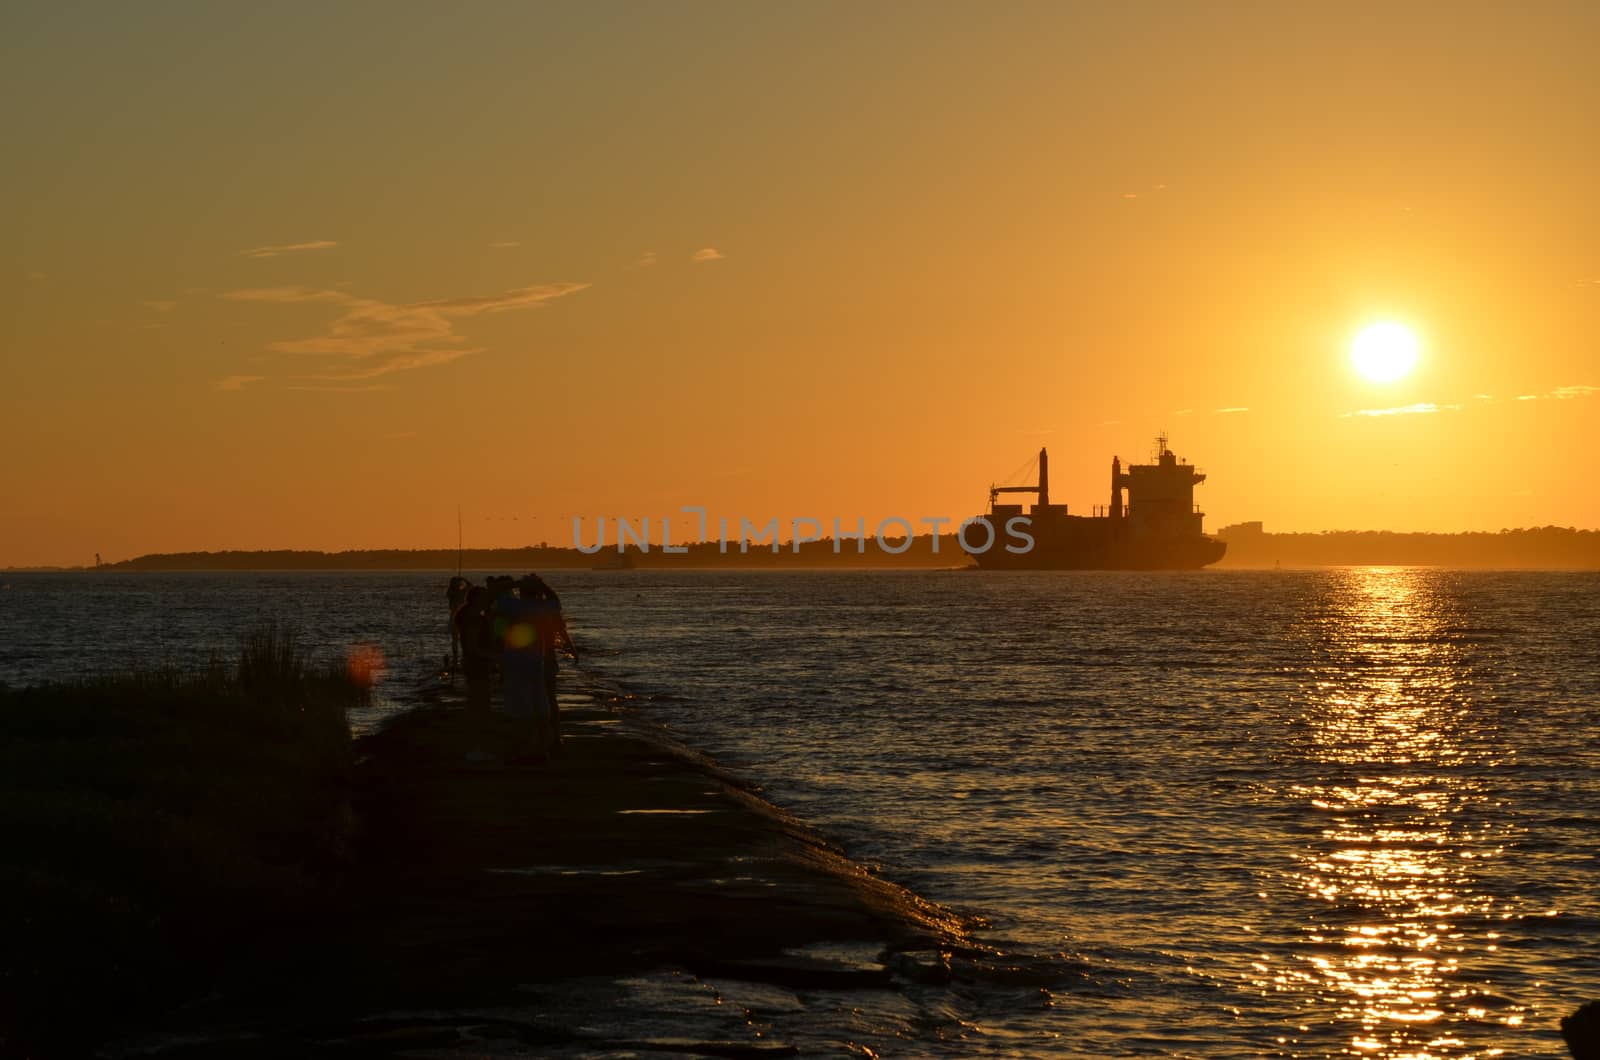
523 627
553 635
456 596
473 631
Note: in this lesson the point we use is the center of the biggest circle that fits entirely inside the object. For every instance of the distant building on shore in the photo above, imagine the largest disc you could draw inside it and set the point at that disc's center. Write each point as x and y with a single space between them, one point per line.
1242 531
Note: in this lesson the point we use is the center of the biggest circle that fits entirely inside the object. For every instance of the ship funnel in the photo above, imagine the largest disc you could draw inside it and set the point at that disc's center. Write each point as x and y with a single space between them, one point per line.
1044 478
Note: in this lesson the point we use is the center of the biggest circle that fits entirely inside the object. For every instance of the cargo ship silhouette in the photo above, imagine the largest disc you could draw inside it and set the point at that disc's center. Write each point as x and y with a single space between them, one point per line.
1157 529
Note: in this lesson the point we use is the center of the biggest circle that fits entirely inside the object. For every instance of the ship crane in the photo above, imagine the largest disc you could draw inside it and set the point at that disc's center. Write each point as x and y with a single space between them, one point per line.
1042 489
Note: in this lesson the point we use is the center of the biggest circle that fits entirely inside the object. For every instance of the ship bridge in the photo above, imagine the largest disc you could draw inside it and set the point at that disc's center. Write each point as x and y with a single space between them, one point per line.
1160 495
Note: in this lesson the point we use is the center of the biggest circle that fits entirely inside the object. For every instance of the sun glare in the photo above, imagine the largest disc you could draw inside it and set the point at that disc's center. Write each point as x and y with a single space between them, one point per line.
1384 352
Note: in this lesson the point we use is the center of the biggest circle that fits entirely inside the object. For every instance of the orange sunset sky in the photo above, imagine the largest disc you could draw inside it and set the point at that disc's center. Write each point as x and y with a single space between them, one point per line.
309 276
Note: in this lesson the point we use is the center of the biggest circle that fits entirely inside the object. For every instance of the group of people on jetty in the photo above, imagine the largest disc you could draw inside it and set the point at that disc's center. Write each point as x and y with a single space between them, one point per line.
512 627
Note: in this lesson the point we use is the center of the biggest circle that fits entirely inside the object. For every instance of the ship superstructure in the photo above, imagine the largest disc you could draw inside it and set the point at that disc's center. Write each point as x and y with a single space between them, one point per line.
1157 527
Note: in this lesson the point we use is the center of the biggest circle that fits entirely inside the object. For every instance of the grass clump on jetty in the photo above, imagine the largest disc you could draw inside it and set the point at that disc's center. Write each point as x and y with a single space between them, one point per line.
158 823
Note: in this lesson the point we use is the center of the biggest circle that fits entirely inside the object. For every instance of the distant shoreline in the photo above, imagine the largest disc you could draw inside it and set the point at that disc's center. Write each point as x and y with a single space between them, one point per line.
1536 548
1532 548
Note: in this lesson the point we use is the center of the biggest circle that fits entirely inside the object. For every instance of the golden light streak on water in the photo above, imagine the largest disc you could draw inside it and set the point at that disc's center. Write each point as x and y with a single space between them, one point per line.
1394 865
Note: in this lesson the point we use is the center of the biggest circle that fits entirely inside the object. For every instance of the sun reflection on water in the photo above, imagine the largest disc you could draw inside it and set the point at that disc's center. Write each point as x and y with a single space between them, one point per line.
1391 722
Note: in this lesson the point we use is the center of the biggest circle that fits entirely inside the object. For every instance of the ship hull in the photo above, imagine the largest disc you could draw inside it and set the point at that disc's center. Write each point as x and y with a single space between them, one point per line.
1096 544
1174 555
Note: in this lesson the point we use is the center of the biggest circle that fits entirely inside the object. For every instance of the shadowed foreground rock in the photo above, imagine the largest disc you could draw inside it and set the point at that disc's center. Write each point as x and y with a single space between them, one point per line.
482 885
1582 1032
625 853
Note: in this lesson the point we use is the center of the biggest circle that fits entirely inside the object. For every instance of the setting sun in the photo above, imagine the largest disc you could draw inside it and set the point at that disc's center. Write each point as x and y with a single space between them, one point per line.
1384 352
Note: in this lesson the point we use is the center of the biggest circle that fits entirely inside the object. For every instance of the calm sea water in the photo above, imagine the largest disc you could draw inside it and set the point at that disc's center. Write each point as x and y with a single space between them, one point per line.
1225 814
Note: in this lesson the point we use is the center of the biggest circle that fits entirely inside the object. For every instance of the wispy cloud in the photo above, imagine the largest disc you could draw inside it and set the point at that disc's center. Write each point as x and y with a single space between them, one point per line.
1230 409
159 305
1183 412
318 388
505 243
1420 408
237 382
1137 194
645 260
1561 393
399 363
287 248
705 254
369 338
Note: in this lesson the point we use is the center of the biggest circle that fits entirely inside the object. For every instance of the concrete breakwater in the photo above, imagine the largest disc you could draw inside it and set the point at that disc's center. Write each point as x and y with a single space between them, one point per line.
626 896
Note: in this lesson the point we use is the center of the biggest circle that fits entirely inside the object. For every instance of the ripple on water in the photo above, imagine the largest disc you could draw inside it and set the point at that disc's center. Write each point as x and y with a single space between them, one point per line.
1224 814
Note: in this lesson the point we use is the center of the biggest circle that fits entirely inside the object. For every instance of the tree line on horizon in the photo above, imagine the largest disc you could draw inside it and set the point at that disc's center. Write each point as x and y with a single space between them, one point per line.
1531 547
1549 547
919 552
